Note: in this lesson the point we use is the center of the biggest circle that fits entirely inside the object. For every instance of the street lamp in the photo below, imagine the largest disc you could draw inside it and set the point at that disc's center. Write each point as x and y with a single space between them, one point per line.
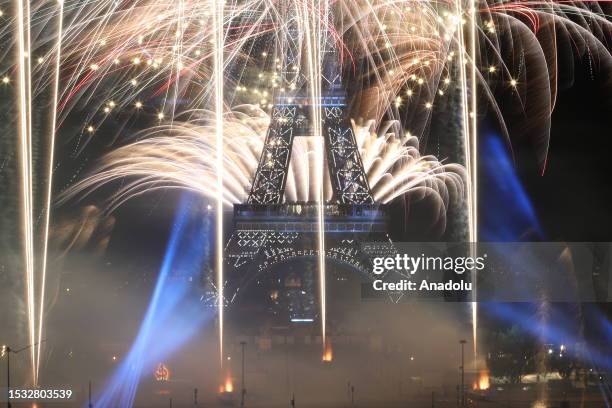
6 349
89 404
243 385
462 342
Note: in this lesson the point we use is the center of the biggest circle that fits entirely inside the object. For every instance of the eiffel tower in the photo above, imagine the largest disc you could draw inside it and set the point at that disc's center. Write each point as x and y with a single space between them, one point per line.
268 230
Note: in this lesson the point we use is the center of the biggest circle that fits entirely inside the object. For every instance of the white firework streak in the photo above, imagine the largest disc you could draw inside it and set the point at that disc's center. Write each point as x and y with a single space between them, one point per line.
182 156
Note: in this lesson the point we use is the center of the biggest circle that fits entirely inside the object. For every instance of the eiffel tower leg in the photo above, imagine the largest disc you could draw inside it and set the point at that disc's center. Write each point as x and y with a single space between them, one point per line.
269 184
346 171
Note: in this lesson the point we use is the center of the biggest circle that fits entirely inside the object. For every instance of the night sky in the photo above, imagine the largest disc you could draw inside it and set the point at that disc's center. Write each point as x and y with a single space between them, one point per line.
572 198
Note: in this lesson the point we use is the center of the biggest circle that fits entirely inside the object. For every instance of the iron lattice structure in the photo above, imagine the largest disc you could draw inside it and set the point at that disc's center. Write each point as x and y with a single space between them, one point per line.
348 178
268 238
269 231
292 116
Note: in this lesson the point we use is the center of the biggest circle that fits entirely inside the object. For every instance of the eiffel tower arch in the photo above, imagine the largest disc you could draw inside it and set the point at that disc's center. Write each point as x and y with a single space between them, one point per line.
269 231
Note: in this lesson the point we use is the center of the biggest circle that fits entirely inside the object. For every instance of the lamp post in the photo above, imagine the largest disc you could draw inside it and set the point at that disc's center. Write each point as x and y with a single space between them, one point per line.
89 403
8 350
462 342
243 385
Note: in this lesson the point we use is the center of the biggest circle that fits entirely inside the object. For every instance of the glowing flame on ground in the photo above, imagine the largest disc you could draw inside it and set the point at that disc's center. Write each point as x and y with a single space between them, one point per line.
483 382
328 355
162 373
228 386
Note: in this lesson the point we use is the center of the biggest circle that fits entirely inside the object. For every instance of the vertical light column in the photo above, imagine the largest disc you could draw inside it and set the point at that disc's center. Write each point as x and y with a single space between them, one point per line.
473 163
25 156
51 158
313 27
467 55
217 8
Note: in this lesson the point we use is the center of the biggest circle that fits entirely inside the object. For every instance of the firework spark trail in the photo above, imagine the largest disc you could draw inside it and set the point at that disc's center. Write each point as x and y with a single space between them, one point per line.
469 117
182 156
24 69
53 128
24 74
217 7
473 168
313 26
417 47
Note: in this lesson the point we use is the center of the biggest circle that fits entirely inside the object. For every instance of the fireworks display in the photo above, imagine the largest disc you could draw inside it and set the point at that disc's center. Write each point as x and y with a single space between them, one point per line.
179 156
188 88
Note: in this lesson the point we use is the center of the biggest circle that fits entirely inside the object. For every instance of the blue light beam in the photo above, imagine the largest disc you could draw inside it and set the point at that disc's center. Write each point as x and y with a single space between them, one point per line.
173 316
